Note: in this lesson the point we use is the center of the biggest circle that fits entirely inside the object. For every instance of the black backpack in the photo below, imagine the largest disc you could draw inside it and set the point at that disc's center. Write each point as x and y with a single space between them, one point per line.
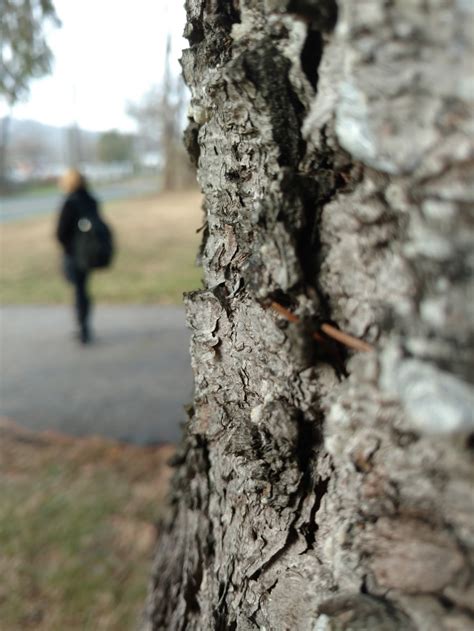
93 241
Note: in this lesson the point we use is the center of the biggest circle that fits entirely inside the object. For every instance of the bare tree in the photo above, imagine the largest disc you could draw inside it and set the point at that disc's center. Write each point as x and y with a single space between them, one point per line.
325 478
32 150
24 56
161 118
115 146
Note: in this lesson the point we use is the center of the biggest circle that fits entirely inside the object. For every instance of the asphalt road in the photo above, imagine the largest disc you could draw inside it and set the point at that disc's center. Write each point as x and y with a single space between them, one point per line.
131 384
12 208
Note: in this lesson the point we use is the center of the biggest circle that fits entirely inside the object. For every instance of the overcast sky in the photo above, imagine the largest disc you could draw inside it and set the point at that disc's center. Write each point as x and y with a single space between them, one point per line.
107 53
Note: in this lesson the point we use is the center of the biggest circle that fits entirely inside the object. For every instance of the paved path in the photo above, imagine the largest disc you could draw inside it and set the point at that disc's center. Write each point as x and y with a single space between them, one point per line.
131 384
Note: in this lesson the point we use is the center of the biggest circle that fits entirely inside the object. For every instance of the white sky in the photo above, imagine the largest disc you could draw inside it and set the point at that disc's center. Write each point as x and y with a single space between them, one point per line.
107 53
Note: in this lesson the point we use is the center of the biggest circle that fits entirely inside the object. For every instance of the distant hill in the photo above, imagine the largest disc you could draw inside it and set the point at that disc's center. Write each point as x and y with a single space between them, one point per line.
53 142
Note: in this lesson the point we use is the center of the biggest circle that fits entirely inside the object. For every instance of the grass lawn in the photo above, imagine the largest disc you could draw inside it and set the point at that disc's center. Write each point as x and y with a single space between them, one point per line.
76 530
156 249
77 516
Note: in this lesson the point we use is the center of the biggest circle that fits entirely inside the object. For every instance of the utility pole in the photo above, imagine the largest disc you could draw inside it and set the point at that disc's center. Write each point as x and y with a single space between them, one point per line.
168 120
74 135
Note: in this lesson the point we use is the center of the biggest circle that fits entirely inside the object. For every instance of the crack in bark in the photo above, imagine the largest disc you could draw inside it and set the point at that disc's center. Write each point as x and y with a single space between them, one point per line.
321 13
268 70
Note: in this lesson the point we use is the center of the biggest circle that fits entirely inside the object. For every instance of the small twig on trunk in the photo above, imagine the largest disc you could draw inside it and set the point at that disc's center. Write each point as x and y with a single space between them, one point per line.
345 338
328 329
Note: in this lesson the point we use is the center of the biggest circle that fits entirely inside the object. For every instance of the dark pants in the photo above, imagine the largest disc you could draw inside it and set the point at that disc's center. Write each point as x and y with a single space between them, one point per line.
78 279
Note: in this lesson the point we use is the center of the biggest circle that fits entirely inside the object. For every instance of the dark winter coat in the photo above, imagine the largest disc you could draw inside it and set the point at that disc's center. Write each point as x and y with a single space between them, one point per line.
75 205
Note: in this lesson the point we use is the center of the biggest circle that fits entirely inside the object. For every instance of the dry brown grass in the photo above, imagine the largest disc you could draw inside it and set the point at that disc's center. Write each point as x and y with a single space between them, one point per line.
77 530
156 249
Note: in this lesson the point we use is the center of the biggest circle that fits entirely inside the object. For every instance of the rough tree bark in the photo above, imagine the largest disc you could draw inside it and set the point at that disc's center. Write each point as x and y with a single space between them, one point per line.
317 488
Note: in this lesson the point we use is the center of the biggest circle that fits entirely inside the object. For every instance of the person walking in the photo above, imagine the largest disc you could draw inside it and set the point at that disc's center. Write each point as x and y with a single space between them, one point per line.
86 241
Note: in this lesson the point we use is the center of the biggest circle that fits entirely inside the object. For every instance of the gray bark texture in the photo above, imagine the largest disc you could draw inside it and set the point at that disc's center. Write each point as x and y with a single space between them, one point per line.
319 488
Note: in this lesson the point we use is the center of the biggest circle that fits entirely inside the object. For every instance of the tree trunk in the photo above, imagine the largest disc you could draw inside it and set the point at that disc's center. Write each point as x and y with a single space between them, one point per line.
5 124
320 488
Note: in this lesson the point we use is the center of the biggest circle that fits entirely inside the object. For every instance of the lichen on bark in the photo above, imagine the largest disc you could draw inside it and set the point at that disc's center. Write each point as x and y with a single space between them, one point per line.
316 488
